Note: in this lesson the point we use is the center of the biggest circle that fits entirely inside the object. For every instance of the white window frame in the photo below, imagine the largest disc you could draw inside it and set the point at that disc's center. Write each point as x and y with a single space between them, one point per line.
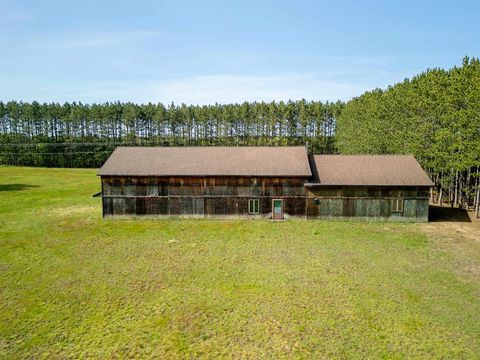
397 205
251 206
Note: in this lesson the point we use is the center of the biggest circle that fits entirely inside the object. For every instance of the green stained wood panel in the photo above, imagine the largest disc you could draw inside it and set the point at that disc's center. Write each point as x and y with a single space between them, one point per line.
129 190
361 207
380 208
324 207
376 208
243 191
386 208
368 207
410 208
152 189
422 209
331 207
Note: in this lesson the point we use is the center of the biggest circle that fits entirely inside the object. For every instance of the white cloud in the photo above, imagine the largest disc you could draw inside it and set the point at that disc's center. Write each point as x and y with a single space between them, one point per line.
228 88
236 88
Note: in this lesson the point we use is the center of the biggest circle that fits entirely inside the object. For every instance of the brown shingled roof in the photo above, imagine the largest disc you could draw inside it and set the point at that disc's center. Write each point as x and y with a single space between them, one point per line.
207 161
373 170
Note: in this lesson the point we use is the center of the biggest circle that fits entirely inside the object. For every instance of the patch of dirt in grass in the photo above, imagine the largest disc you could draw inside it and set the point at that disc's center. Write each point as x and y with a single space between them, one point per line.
461 240
453 230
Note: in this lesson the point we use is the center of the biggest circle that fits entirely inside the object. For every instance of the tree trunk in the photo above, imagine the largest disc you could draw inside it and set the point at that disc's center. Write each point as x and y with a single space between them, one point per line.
477 201
432 198
455 191
477 210
460 190
450 195
475 195
467 196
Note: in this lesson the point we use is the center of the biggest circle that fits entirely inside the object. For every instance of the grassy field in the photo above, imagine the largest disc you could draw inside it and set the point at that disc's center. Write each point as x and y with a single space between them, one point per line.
73 285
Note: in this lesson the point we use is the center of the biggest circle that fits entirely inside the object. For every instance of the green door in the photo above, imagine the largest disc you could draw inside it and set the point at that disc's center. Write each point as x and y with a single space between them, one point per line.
277 211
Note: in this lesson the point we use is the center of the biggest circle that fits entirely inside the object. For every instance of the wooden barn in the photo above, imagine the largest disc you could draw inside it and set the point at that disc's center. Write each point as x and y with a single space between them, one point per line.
206 181
262 182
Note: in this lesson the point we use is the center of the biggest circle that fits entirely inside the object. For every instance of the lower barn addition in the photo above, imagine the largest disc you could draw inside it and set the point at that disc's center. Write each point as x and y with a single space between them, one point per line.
380 203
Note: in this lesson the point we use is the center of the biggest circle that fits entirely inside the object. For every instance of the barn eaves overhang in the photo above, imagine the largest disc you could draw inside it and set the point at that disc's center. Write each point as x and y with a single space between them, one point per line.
367 170
246 161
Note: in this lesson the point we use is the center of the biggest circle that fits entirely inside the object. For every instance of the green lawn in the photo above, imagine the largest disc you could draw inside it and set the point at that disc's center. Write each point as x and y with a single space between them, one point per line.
74 285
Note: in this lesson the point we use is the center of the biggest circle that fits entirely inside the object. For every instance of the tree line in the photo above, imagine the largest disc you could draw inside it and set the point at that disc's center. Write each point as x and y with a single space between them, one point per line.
434 116
83 135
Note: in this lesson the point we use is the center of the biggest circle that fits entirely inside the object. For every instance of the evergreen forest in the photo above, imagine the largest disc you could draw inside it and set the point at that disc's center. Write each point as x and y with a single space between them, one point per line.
435 116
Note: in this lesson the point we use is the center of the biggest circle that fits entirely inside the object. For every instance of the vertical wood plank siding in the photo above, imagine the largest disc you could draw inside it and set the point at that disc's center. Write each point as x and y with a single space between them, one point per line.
228 197
200 196
367 202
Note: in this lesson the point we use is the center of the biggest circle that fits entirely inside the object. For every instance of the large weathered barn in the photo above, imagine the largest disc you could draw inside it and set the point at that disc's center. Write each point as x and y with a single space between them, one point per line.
272 182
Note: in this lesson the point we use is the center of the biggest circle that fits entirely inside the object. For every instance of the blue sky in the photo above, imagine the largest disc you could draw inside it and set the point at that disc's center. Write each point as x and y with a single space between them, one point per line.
201 52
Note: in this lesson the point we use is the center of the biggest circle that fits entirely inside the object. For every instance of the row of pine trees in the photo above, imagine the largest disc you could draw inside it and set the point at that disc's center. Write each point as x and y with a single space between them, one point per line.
434 116
82 135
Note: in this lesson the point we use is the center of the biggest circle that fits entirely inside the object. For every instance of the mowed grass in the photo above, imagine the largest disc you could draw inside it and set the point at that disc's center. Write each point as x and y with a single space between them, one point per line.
73 285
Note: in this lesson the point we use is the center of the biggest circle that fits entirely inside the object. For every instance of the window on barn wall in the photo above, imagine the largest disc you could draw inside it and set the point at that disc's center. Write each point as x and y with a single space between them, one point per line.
254 206
397 205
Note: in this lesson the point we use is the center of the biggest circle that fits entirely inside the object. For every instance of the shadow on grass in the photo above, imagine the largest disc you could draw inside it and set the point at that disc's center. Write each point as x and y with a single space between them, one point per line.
15 187
447 214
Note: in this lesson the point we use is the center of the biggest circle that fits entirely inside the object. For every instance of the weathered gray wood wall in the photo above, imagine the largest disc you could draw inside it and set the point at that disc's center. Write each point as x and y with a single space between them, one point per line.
228 197
367 202
201 197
